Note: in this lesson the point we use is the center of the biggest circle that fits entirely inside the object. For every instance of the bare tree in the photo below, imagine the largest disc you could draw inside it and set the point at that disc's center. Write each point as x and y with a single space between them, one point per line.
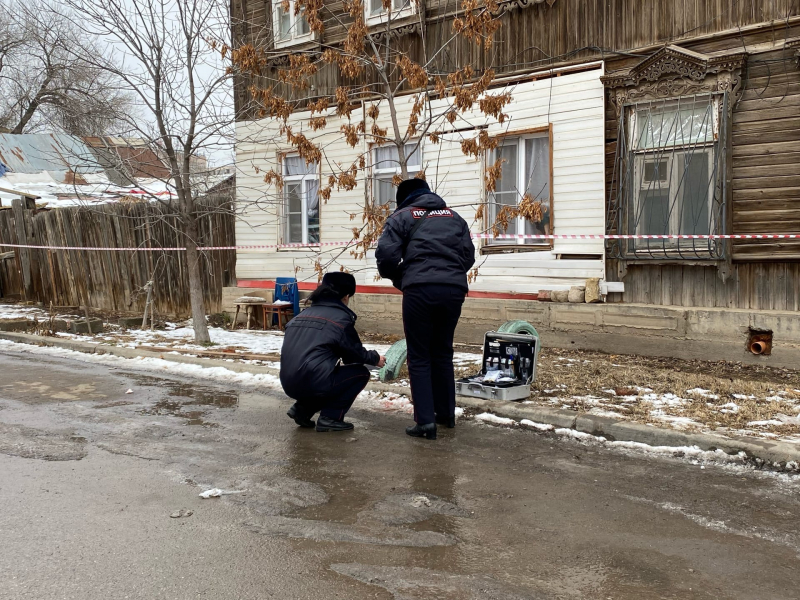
47 77
166 53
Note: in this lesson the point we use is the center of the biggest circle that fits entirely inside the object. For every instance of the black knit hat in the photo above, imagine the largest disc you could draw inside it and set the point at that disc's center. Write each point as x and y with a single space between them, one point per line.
405 189
343 283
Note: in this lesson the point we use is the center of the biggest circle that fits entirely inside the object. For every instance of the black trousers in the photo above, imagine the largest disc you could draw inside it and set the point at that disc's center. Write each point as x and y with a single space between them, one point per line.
348 382
430 316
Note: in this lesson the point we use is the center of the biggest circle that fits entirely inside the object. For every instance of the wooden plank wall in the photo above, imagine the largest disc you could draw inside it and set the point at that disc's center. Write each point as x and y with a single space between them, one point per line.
115 281
752 285
766 157
532 37
765 274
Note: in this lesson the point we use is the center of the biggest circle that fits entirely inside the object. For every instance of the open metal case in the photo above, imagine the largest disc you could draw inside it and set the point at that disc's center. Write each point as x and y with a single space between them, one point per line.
514 356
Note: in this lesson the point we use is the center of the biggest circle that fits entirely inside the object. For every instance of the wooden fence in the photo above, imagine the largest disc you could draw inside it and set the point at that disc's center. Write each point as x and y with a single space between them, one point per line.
112 280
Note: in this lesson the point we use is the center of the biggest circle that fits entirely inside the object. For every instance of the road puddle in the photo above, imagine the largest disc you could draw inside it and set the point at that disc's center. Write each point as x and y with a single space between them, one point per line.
182 397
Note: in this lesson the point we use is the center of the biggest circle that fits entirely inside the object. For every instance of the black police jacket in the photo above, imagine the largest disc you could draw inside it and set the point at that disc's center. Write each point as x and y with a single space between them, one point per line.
315 341
441 250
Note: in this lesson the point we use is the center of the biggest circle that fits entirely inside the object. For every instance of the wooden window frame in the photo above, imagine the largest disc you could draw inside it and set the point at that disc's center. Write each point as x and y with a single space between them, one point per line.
283 215
293 39
396 15
490 247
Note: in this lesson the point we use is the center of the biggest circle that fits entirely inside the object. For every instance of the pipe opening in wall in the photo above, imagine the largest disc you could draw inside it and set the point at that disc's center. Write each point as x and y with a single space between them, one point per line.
759 342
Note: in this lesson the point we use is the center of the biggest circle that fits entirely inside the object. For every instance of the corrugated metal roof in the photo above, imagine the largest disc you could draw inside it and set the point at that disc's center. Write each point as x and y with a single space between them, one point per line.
53 152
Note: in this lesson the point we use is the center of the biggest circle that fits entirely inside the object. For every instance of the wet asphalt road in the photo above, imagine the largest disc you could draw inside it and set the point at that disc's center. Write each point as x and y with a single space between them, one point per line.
91 477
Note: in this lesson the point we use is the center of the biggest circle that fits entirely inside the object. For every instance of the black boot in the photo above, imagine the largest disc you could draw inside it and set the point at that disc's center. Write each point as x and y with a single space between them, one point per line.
448 422
428 431
328 424
296 414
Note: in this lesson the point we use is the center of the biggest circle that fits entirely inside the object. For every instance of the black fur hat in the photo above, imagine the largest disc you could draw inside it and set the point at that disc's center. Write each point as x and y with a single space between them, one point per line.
343 283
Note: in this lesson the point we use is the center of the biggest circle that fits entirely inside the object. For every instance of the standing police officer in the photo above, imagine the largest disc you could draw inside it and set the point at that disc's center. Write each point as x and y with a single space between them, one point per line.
316 341
426 250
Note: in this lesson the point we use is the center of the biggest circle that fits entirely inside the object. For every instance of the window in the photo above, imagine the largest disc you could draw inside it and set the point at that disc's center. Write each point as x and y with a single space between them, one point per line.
301 201
673 173
525 172
377 13
290 28
385 165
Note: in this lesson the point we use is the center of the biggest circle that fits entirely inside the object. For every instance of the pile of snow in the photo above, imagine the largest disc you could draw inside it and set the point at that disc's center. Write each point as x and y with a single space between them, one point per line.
494 419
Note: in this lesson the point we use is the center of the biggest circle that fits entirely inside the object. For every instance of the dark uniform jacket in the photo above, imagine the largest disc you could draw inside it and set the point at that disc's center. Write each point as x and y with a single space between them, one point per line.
315 341
441 250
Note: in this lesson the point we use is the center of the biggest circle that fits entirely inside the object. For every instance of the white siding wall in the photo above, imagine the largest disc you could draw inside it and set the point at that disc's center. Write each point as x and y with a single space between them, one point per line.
572 103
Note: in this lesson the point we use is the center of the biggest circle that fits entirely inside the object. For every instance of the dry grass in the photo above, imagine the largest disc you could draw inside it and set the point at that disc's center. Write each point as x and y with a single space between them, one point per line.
636 386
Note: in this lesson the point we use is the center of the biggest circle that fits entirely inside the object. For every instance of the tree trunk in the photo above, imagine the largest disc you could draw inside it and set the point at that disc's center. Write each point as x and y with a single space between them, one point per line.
195 282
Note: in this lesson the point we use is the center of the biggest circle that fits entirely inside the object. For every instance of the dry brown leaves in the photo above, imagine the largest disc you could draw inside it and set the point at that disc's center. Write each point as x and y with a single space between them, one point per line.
317 123
300 70
416 113
493 104
414 73
531 209
504 217
320 106
272 177
493 175
478 23
313 8
477 146
248 59
343 106
350 134
271 105
378 132
305 147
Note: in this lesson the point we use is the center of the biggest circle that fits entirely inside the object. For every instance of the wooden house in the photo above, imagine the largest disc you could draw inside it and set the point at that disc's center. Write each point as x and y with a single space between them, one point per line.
645 117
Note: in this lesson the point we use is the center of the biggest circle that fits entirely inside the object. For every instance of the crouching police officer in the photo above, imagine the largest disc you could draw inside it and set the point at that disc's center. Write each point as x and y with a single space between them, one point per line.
316 341
426 250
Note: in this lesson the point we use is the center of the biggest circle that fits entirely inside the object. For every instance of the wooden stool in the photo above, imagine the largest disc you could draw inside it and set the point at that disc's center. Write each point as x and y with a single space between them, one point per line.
282 310
250 303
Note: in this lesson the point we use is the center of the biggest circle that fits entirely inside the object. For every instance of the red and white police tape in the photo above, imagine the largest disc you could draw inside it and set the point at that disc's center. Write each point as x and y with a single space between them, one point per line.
477 236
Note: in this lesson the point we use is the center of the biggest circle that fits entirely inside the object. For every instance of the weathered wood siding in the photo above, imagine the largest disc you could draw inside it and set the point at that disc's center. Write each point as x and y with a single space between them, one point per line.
531 37
752 285
572 103
765 195
114 281
766 157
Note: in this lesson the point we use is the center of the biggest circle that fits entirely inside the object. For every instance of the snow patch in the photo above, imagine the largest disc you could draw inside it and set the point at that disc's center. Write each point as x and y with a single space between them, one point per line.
536 426
490 418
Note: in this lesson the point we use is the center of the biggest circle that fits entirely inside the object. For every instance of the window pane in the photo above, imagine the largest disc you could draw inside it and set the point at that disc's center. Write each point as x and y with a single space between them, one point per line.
375 7
303 27
414 160
507 186
387 158
385 192
682 124
653 212
294 166
284 24
537 168
401 4
696 191
293 199
295 229
312 210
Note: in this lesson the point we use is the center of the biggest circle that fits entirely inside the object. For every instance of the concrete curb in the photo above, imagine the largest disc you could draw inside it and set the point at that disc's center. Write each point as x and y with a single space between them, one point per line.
776 454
